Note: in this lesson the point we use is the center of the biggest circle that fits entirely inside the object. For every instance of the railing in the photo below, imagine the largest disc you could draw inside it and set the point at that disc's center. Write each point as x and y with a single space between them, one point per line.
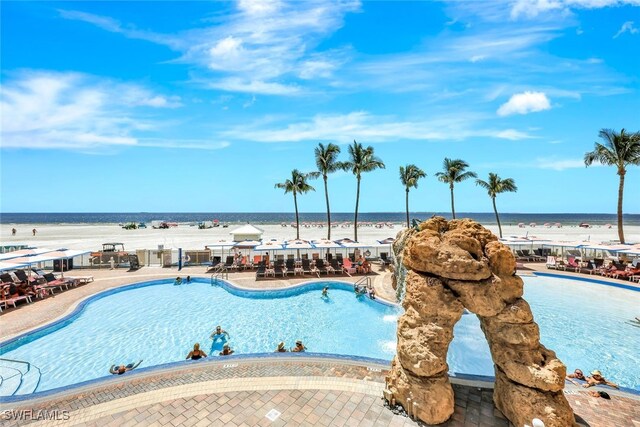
366 281
21 374
220 272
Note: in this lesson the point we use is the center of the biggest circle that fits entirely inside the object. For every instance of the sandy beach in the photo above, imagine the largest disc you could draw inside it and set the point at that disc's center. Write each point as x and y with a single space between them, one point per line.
91 237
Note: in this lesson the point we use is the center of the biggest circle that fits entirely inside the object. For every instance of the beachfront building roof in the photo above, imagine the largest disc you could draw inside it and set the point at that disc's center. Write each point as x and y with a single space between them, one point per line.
246 232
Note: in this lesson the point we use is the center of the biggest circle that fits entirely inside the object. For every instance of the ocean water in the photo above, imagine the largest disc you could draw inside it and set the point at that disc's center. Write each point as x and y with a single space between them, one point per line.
288 217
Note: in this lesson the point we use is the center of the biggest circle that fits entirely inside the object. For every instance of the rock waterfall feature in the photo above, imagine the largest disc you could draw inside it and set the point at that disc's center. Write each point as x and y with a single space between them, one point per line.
458 264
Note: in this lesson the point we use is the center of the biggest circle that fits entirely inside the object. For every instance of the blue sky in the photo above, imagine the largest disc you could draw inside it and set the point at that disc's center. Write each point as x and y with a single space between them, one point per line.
204 106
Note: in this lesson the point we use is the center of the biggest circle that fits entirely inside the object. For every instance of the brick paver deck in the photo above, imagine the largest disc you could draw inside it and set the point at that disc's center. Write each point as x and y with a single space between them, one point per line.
302 390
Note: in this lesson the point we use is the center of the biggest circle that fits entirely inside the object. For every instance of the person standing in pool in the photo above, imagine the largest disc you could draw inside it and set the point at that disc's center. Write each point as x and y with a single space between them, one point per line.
281 348
188 279
325 292
119 370
196 353
178 281
219 333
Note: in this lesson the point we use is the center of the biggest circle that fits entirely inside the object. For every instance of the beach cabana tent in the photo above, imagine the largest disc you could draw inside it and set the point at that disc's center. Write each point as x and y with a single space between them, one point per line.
246 232
633 250
8 265
247 244
24 253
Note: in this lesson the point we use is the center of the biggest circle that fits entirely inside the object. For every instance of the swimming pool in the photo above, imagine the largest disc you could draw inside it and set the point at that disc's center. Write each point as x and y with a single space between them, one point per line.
586 324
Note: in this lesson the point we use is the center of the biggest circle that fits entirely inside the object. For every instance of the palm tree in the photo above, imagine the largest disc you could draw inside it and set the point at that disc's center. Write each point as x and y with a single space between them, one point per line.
326 161
454 172
361 160
296 185
494 186
619 150
409 176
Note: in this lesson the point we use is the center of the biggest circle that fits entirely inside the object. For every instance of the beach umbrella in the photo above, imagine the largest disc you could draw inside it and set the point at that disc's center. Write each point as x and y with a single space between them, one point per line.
387 241
270 246
52 256
298 244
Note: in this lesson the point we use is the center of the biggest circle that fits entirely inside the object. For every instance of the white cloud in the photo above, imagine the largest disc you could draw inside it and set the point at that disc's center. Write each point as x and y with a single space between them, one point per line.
559 165
236 84
524 103
73 110
361 125
626 27
263 48
533 8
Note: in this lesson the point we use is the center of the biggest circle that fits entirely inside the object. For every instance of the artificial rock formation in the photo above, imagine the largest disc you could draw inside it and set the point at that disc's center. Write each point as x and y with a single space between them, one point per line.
458 264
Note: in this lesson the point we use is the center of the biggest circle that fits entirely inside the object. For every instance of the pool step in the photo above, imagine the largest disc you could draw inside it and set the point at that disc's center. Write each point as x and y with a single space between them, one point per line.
18 377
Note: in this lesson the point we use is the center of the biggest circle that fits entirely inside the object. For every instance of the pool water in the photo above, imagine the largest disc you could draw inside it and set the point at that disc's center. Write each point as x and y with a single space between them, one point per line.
588 325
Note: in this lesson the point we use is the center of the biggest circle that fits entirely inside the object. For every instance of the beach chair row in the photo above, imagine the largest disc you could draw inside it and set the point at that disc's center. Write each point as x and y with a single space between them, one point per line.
19 287
596 266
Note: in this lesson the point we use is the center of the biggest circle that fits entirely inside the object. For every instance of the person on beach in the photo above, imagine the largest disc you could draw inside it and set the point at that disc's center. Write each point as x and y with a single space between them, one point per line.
196 353
299 348
119 370
13 231
178 281
600 394
34 231
596 378
281 348
219 333
226 350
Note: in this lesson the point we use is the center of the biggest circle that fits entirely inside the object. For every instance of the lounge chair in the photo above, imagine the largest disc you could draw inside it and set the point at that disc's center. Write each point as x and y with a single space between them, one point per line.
348 268
321 267
6 299
551 262
335 265
572 264
308 268
35 284
230 263
290 265
53 282
385 259
590 268
279 268
261 271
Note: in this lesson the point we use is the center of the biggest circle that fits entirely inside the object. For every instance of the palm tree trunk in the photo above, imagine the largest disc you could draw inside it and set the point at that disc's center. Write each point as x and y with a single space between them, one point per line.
407 205
295 202
453 209
620 194
326 196
355 219
497 217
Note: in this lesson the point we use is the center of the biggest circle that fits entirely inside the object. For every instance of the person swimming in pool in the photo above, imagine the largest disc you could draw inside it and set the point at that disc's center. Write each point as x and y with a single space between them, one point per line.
596 378
119 370
577 374
219 333
196 353
178 281
226 350
299 348
281 348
